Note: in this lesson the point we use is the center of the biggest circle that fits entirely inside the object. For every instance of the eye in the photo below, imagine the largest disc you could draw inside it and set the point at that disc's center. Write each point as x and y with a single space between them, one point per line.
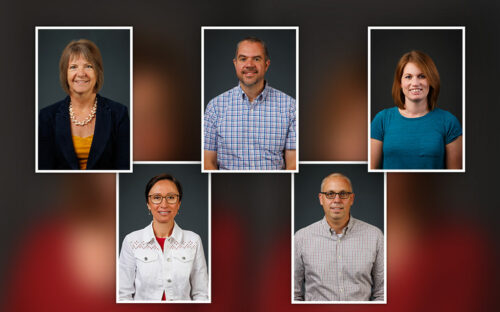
156 197
421 76
170 197
89 66
72 66
343 194
330 194
258 58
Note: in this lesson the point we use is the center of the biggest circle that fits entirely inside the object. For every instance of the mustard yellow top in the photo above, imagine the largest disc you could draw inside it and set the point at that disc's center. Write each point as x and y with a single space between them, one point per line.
82 149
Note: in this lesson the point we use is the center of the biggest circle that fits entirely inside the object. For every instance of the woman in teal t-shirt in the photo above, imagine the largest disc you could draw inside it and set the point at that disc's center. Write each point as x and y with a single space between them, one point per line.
415 134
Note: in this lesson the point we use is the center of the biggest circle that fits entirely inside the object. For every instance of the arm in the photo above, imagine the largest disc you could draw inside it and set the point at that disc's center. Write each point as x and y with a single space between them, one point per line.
127 273
375 153
290 159
454 154
46 148
210 160
378 270
123 142
298 274
210 137
199 276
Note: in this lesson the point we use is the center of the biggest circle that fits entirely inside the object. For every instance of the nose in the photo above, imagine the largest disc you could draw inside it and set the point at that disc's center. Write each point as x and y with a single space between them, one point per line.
80 71
337 198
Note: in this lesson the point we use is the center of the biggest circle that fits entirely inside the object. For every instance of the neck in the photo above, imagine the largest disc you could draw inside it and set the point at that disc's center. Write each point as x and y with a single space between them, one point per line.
415 109
253 91
82 100
163 229
338 225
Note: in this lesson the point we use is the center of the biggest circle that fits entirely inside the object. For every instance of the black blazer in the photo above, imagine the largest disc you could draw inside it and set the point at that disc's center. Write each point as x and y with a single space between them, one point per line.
110 147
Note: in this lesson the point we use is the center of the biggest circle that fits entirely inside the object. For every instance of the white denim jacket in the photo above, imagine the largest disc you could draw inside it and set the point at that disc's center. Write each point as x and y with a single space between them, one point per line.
146 272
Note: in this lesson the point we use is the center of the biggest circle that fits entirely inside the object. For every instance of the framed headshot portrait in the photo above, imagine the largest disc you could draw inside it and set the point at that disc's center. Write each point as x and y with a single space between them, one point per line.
163 234
416 99
250 99
338 234
83 109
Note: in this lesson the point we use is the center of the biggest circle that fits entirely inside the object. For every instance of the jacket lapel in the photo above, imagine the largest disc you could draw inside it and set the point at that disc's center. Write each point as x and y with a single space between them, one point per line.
63 135
102 132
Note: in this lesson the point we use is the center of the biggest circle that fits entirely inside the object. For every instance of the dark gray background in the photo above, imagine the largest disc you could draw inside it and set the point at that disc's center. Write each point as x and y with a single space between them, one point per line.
193 212
368 188
220 49
114 45
443 46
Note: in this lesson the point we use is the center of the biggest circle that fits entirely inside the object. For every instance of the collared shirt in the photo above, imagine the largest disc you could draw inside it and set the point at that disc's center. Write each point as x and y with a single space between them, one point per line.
146 272
250 135
333 268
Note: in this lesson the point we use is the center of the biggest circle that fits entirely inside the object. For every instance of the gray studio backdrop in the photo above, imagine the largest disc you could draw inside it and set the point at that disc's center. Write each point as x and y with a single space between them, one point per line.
368 189
114 45
443 46
220 49
193 213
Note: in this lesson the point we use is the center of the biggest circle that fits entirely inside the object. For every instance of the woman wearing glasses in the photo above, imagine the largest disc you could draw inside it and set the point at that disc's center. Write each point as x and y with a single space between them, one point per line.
163 261
415 134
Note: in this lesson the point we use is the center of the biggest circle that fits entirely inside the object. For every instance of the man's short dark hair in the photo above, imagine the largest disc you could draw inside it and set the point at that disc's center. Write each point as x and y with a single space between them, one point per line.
164 176
253 39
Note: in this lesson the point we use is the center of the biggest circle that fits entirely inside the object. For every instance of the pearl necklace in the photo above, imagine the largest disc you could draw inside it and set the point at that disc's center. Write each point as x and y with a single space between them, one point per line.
86 121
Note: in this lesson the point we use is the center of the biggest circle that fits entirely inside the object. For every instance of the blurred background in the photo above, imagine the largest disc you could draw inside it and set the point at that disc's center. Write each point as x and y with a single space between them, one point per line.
59 229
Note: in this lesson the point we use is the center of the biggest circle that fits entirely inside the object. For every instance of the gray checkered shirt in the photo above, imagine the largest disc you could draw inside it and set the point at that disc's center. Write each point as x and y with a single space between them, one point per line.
331 267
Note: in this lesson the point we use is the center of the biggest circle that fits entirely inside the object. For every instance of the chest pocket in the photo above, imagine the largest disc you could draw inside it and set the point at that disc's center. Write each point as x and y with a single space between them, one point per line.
184 256
147 263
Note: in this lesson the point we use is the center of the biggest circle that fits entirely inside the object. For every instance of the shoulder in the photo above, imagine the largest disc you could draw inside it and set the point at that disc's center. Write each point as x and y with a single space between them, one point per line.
388 112
51 110
445 115
307 231
275 93
112 105
137 235
190 236
226 95
366 228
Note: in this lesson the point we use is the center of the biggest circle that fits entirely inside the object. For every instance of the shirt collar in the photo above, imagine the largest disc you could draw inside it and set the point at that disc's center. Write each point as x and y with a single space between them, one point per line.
261 97
346 230
149 234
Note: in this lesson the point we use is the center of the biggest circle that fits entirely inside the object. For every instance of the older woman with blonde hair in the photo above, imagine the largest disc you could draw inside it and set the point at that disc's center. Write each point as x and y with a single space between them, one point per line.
415 134
85 130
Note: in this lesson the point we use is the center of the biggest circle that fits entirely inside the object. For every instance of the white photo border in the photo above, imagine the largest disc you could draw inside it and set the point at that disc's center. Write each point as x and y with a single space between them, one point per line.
296 28
131 87
462 28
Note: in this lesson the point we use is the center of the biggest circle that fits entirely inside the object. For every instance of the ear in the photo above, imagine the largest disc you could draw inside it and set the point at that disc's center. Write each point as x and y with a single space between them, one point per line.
352 198
268 62
320 199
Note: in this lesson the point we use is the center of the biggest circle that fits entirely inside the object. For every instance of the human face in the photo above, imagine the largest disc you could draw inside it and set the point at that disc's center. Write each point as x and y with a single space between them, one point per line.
81 76
414 84
163 212
251 64
337 210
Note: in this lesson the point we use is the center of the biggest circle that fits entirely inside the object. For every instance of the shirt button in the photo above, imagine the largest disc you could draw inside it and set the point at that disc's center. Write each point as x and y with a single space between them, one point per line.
145 258
169 280
183 258
169 259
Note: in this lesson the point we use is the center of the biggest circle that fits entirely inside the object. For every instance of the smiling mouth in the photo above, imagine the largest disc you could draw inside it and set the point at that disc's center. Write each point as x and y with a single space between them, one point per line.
336 209
164 213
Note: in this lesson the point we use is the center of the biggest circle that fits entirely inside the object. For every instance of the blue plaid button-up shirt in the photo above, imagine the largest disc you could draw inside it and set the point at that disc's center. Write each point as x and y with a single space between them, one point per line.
250 136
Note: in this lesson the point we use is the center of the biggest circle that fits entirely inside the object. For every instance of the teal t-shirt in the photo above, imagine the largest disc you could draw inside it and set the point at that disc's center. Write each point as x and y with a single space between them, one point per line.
414 143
